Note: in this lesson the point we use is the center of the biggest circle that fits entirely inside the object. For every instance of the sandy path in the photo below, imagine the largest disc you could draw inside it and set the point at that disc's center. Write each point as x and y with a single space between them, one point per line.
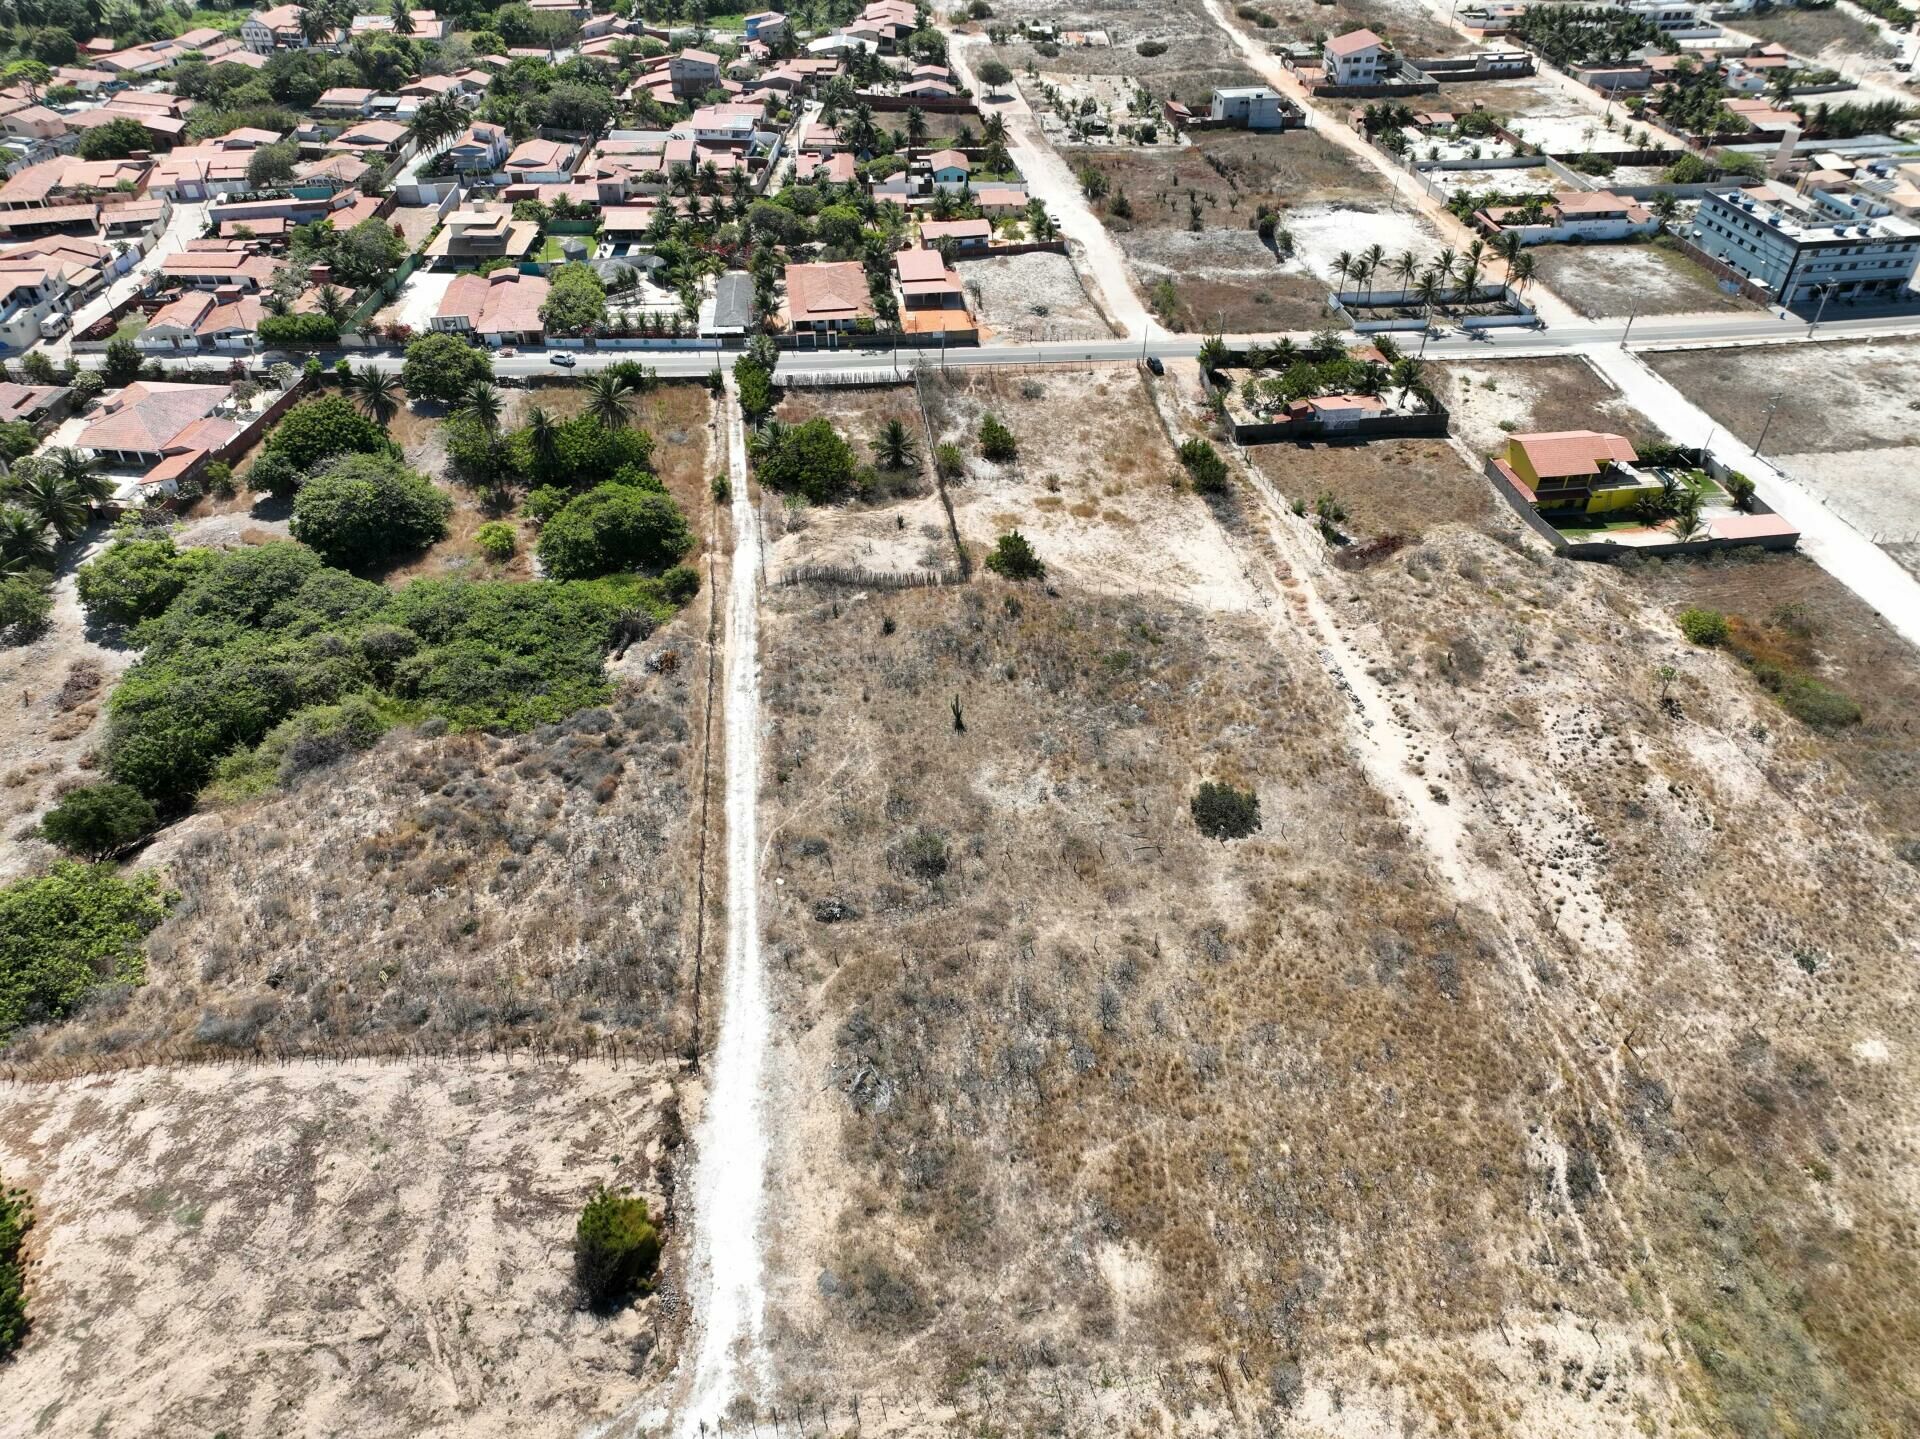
1103 269
729 1185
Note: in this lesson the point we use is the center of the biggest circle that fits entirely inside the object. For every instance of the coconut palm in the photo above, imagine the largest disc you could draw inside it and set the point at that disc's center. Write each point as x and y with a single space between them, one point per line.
1213 352
24 541
544 435
80 469
313 23
893 446
1522 273
402 18
1343 267
1429 289
1683 513
916 126
333 303
1405 266
1510 245
376 392
607 397
1408 377
1373 257
994 132
482 402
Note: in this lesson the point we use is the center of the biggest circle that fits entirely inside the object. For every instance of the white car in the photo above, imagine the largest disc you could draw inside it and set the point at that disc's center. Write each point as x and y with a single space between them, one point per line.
563 358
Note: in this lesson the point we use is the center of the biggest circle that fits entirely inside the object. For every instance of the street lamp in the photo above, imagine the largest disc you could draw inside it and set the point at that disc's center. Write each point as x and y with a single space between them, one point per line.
1772 405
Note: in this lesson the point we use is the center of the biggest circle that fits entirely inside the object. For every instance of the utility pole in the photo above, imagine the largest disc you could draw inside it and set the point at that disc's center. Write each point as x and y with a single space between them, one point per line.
1631 315
1772 405
1143 340
1826 293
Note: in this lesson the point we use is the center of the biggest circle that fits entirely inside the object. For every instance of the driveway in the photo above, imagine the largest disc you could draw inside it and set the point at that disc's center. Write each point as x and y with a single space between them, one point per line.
419 299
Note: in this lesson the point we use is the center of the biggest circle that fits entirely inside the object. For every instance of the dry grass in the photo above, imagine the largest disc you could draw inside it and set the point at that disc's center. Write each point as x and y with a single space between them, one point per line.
434 894
1599 280
1837 395
1813 32
1489 401
380 1250
1387 487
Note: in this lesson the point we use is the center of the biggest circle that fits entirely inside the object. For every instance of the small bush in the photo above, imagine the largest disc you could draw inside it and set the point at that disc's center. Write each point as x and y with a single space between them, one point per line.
497 540
997 442
1222 812
614 528
25 606
1811 701
544 502
1704 627
99 819
680 584
16 1218
134 580
948 461
1013 558
1204 466
923 854
1151 48
1739 487
615 1247
363 509
65 932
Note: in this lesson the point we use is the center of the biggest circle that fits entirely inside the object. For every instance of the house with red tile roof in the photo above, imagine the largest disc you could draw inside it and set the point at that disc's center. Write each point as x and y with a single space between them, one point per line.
502 308
226 319
827 297
150 421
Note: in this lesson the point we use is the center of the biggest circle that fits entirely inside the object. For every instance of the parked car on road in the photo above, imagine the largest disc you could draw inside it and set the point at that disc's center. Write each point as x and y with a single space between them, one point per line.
562 359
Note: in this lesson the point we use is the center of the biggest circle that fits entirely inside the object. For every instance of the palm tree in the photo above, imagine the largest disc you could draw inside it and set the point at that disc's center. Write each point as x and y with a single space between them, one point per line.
79 468
1469 267
916 126
55 501
994 132
402 18
1343 267
1405 266
1429 288
481 401
544 435
376 392
313 24
607 397
24 541
1683 512
1373 257
333 303
1038 218
1665 206
893 446
1213 352
1407 377
1522 273
1509 245
1443 262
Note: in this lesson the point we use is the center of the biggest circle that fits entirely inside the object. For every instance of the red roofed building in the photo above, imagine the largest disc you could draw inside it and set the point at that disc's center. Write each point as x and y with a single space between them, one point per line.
149 421
1359 57
824 298
502 308
1576 470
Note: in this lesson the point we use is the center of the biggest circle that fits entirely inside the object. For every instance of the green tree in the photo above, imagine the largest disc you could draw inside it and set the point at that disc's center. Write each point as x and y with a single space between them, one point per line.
480 402
136 579
607 399
375 391
362 509
1013 558
272 165
16 1218
810 459
993 74
315 429
98 820
368 253
614 528
65 932
440 367
615 1247
576 302
26 544
123 362
114 140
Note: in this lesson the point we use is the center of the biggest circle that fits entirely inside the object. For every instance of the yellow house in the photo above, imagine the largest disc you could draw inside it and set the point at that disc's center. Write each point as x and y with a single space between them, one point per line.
1577 470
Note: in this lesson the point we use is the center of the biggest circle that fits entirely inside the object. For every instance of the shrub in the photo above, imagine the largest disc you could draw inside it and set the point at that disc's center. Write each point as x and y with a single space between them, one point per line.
497 540
1739 487
313 737
314 430
811 459
1013 558
1204 466
680 584
1704 627
923 854
614 528
134 580
1807 699
99 819
25 605
543 502
122 365
996 441
948 461
65 932
310 329
1222 812
362 509
16 1218
1151 48
755 385
219 479
440 367
615 1247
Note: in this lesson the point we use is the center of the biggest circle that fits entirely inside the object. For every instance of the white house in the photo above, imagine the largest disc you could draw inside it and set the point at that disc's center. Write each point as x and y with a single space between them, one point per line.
1359 57
1581 216
1251 107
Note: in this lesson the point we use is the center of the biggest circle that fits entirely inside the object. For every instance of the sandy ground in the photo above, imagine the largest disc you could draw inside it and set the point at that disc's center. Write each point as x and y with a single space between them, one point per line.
1532 181
1873 490
314 1249
54 716
1095 474
1488 402
1321 232
419 299
1031 297
1601 280
1843 395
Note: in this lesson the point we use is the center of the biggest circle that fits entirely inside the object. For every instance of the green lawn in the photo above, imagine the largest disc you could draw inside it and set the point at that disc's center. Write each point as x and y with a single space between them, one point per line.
131 324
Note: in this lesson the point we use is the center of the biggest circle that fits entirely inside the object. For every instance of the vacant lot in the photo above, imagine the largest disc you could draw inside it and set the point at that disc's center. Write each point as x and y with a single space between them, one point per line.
1191 235
312 1249
1493 400
1031 297
1651 279
1197 55
1830 36
1837 395
1386 487
1095 478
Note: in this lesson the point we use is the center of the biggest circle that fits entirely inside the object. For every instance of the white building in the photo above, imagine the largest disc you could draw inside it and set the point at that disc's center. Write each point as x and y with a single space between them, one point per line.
1251 107
1359 57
